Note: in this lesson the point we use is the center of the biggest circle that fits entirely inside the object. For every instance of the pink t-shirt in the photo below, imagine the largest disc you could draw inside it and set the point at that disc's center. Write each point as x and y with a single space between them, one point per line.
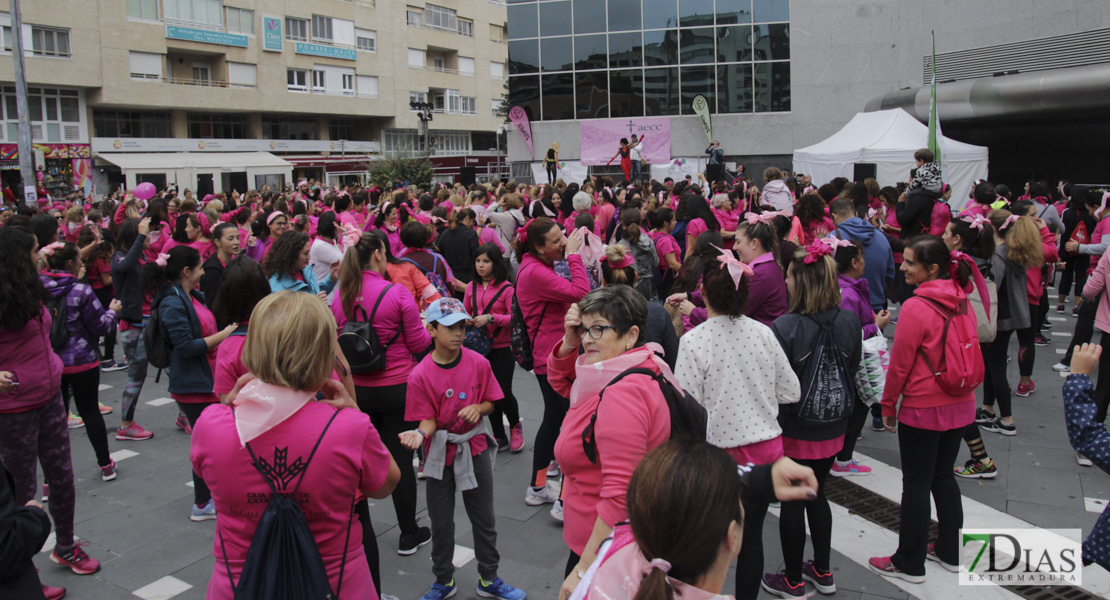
695 228
488 235
207 327
351 457
759 453
938 418
229 364
809 450
665 244
440 391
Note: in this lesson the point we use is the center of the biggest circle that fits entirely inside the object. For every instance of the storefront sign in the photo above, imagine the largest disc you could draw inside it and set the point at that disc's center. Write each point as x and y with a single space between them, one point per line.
601 139
326 51
108 145
51 151
204 36
271 35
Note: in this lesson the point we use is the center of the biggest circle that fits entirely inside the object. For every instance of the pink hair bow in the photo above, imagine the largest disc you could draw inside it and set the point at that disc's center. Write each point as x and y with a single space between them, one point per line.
835 242
543 206
49 249
522 232
610 190
816 250
657 563
735 268
977 220
1010 220
661 198
1102 207
765 217
980 283
161 260
438 220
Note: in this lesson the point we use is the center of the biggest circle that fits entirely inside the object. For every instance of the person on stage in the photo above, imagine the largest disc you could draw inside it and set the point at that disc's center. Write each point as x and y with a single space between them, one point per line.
551 163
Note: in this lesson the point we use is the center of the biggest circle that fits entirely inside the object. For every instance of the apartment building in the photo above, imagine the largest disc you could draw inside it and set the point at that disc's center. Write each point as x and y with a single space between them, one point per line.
221 94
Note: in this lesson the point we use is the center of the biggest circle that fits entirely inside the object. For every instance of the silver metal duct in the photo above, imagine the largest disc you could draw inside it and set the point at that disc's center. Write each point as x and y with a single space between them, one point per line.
1023 94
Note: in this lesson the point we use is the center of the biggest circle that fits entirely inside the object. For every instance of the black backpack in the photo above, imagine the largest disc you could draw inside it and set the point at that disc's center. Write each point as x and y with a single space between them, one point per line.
689 420
283 561
155 340
359 340
828 388
519 340
59 313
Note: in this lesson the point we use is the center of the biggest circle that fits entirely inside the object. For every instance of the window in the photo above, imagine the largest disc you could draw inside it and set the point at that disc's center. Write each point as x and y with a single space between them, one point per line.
6 32
367 86
296 29
142 9
416 59
216 126
348 84
496 104
447 101
420 97
496 70
403 142
130 124
240 20
146 65
341 130
437 64
321 28
451 143
297 80
496 33
288 128
199 12
319 82
415 18
466 66
440 17
46 41
54 114
469 105
242 75
366 40
466 28
202 74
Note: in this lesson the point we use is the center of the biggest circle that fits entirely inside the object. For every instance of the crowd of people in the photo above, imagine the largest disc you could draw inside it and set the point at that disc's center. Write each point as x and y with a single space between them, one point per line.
365 330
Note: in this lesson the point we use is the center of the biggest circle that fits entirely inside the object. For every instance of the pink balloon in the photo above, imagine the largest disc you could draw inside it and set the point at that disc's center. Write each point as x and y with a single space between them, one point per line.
145 191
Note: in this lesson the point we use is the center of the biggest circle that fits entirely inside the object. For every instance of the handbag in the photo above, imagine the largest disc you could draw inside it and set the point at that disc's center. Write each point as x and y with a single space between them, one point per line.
477 339
873 364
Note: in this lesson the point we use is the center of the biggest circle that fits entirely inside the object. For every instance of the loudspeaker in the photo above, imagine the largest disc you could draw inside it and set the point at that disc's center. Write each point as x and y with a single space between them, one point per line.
466 176
714 173
861 171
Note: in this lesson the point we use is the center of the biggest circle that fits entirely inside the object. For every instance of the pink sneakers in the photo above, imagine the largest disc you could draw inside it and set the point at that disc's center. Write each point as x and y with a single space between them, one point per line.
133 432
516 438
76 559
183 423
851 467
1024 390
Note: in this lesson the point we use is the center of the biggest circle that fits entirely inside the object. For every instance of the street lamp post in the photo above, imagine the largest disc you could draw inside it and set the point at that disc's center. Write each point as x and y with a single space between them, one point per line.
424 113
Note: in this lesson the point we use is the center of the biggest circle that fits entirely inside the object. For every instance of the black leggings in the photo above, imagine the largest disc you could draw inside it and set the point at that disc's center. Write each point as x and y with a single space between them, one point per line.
386 407
927 460
1084 328
192 411
85 387
860 412
1027 351
503 365
996 387
552 172
792 524
554 409
749 565
1074 266
370 544
105 297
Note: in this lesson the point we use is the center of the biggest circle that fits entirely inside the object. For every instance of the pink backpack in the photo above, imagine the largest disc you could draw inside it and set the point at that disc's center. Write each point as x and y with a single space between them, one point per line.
960 370
942 215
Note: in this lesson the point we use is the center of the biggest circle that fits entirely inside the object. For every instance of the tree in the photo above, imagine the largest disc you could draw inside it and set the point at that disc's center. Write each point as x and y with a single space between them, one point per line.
386 171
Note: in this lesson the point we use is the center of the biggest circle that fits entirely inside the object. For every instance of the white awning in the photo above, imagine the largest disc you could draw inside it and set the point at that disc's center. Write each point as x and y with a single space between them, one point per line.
194 160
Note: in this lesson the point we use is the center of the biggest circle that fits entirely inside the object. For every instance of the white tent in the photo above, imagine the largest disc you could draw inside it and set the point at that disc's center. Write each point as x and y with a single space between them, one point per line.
888 138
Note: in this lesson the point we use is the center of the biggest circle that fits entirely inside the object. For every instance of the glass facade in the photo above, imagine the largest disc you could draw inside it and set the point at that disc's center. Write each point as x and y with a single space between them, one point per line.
586 59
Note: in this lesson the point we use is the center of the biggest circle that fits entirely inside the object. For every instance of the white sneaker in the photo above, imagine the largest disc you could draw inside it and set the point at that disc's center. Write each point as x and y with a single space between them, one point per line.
557 510
1083 460
553 470
1061 368
547 494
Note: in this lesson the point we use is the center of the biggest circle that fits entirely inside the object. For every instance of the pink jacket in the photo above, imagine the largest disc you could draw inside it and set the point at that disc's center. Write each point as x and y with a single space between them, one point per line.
33 363
501 311
397 316
544 299
1095 291
632 421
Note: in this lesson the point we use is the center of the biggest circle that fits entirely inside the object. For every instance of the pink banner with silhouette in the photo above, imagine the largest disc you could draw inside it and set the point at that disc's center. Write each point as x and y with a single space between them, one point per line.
519 118
601 139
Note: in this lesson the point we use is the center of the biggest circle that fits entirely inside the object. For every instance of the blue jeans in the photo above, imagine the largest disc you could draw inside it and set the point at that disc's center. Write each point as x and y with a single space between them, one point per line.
637 173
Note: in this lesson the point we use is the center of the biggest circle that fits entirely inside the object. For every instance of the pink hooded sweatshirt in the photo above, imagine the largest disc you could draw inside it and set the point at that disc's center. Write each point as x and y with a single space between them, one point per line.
544 297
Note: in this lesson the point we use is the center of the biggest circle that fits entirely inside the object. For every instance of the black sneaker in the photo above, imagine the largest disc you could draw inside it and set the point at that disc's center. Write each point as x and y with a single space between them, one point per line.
984 416
410 542
877 424
1040 340
1046 324
999 427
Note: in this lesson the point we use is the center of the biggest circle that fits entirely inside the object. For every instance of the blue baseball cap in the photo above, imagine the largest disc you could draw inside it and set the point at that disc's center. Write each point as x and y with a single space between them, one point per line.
447 312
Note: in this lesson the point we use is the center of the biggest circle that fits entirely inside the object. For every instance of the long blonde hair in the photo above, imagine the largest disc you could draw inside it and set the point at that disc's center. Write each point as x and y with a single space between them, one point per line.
816 285
1023 239
291 341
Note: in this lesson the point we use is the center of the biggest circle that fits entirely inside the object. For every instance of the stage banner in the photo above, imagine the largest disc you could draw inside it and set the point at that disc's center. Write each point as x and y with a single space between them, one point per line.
601 139
519 118
570 171
678 168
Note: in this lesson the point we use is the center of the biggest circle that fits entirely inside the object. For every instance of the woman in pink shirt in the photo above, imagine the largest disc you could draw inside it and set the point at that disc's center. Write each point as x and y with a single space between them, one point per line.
242 287
610 323
190 232
701 220
724 209
662 222
546 287
381 394
289 353
389 220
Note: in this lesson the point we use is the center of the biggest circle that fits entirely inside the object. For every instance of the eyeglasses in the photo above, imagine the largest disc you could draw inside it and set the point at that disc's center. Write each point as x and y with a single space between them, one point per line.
59 218
281 223
595 331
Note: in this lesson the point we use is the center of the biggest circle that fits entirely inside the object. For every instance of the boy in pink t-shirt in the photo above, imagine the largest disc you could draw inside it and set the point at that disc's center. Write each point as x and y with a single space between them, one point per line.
449 392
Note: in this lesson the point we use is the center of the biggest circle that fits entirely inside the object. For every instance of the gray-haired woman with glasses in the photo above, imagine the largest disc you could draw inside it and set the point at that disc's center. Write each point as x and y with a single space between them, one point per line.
604 337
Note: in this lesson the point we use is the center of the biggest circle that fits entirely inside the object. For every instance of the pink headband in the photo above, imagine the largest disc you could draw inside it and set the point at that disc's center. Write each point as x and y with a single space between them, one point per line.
735 268
816 250
976 221
625 260
161 260
273 215
1010 220
49 249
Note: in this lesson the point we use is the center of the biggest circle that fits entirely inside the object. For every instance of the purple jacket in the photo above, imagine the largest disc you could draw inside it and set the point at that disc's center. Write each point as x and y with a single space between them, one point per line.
86 321
855 297
27 354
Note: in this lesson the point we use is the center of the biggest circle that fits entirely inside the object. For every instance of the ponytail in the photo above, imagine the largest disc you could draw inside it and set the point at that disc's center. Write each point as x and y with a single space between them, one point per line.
654 586
58 258
355 259
630 220
157 277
